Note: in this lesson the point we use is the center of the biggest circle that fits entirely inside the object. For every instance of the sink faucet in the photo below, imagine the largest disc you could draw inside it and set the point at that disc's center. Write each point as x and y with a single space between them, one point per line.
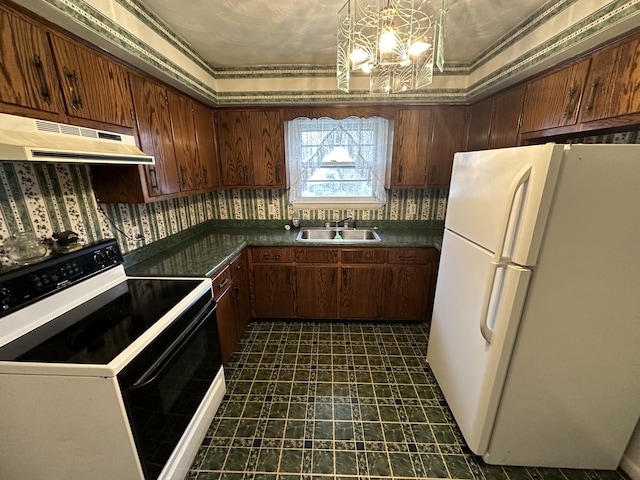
344 222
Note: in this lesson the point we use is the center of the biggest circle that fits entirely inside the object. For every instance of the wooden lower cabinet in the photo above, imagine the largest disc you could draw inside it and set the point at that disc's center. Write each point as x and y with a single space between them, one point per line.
394 284
231 291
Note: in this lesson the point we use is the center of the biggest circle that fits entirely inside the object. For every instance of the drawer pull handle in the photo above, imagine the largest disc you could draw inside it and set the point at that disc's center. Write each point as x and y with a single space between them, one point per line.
223 283
44 89
239 266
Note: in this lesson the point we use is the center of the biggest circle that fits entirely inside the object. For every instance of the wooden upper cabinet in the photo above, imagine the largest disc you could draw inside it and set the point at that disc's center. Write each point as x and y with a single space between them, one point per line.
613 85
447 138
207 147
266 133
154 127
233 144
507 113
412 133
480 125
27 72
184 141
94 87
553 100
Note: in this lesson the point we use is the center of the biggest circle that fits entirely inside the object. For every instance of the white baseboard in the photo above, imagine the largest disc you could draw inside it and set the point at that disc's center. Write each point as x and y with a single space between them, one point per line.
630 467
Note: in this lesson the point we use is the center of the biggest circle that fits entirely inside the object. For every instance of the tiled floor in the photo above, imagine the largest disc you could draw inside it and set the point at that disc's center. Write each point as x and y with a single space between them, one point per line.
341 401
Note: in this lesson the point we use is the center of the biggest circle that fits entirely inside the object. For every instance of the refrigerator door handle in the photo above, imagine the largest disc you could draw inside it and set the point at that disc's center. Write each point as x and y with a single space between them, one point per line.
520 179
498 262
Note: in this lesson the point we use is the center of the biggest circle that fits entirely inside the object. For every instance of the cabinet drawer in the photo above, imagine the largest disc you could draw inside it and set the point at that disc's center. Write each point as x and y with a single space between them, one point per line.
316 255
271 255
221 282
237 264
364 255
409 256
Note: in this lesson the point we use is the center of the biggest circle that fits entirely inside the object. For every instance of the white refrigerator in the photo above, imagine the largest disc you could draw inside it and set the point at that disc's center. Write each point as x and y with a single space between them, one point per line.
535 334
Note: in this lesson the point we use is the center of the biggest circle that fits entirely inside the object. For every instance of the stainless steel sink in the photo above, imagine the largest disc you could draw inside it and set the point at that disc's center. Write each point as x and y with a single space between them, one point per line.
365 235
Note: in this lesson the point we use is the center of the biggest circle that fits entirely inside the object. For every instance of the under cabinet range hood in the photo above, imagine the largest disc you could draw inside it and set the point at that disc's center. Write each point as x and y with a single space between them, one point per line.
29 139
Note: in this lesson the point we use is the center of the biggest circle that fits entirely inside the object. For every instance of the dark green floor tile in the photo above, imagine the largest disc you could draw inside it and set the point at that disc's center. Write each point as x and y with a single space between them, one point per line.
291 461
252 409
346 463
268 460
343 431
401 465
517 473
237 459
227 427
342 412
369 413
443 434
279 410
373 432
434 465
415 413
214 458
550 474
323 430
378 464
322 461
496 472
297 410
457 466
389 413
246 427
274 429
324 411
294 429
393 432
207 476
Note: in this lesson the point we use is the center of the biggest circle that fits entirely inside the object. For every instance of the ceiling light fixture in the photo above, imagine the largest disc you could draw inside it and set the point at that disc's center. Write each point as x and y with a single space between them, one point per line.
395 42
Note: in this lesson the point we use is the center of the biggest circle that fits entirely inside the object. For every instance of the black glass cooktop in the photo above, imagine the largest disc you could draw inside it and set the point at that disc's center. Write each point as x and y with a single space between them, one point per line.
101 328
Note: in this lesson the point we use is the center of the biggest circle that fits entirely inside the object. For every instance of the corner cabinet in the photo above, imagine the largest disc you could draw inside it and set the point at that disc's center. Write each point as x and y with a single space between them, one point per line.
425 141
251 147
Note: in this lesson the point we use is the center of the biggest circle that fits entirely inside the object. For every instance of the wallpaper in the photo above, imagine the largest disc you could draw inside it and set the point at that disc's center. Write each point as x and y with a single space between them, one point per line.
46 198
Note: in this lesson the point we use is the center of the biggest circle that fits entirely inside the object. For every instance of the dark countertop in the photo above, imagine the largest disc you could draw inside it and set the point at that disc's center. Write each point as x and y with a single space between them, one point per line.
202 250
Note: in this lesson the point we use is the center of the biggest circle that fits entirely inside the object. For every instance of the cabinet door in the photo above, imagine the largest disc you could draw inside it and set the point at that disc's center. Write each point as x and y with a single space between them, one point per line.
406 296
93 87
233 138
274 290
506 118
241 297
267 148
27 72
362 292
447 138
410 147
480 125
225 317
553 100
317 291
207 150
612 87
154 127
184 140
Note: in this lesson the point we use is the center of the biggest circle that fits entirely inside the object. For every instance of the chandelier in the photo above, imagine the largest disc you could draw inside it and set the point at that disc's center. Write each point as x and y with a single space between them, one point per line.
394 42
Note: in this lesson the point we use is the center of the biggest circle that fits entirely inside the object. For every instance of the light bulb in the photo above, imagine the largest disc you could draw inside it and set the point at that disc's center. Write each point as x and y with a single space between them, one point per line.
358 55
387 40
367 67
418 47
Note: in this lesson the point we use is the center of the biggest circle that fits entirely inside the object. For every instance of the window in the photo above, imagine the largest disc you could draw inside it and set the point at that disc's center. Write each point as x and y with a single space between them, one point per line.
338 162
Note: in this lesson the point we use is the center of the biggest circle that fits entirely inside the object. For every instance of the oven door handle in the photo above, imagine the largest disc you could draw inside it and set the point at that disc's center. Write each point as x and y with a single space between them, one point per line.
165 360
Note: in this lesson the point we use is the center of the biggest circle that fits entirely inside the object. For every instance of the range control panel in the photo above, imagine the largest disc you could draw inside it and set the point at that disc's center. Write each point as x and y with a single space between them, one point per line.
28 284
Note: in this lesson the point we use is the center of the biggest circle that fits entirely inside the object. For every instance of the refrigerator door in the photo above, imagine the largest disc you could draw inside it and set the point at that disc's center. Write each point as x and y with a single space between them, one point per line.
469 369
500 199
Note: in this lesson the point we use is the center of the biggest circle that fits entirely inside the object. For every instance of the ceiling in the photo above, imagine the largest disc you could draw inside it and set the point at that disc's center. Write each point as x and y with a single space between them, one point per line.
249 33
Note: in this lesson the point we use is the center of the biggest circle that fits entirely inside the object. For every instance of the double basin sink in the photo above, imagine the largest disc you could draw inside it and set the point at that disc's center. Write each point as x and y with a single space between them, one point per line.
328 235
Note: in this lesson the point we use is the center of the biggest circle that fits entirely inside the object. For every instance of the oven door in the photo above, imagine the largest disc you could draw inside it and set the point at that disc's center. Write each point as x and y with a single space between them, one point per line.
163 386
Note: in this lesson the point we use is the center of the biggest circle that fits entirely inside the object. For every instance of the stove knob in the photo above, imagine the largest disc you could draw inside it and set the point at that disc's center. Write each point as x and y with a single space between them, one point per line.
5 297
99 258
111 254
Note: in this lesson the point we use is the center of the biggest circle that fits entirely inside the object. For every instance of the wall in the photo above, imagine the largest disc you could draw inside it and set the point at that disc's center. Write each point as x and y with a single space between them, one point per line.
47 198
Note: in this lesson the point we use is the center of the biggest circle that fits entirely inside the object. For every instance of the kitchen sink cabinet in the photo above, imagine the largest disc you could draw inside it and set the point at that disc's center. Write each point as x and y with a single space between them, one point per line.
251 145
425 141
27 73
273 284
93 86
317 282
362 291
553 100
612 85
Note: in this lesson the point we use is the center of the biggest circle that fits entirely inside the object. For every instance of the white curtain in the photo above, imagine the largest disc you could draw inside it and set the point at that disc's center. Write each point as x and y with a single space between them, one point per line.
308 141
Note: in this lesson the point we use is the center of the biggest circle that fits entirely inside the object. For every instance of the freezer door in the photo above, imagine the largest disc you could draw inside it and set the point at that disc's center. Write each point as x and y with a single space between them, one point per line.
500 198
469 369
